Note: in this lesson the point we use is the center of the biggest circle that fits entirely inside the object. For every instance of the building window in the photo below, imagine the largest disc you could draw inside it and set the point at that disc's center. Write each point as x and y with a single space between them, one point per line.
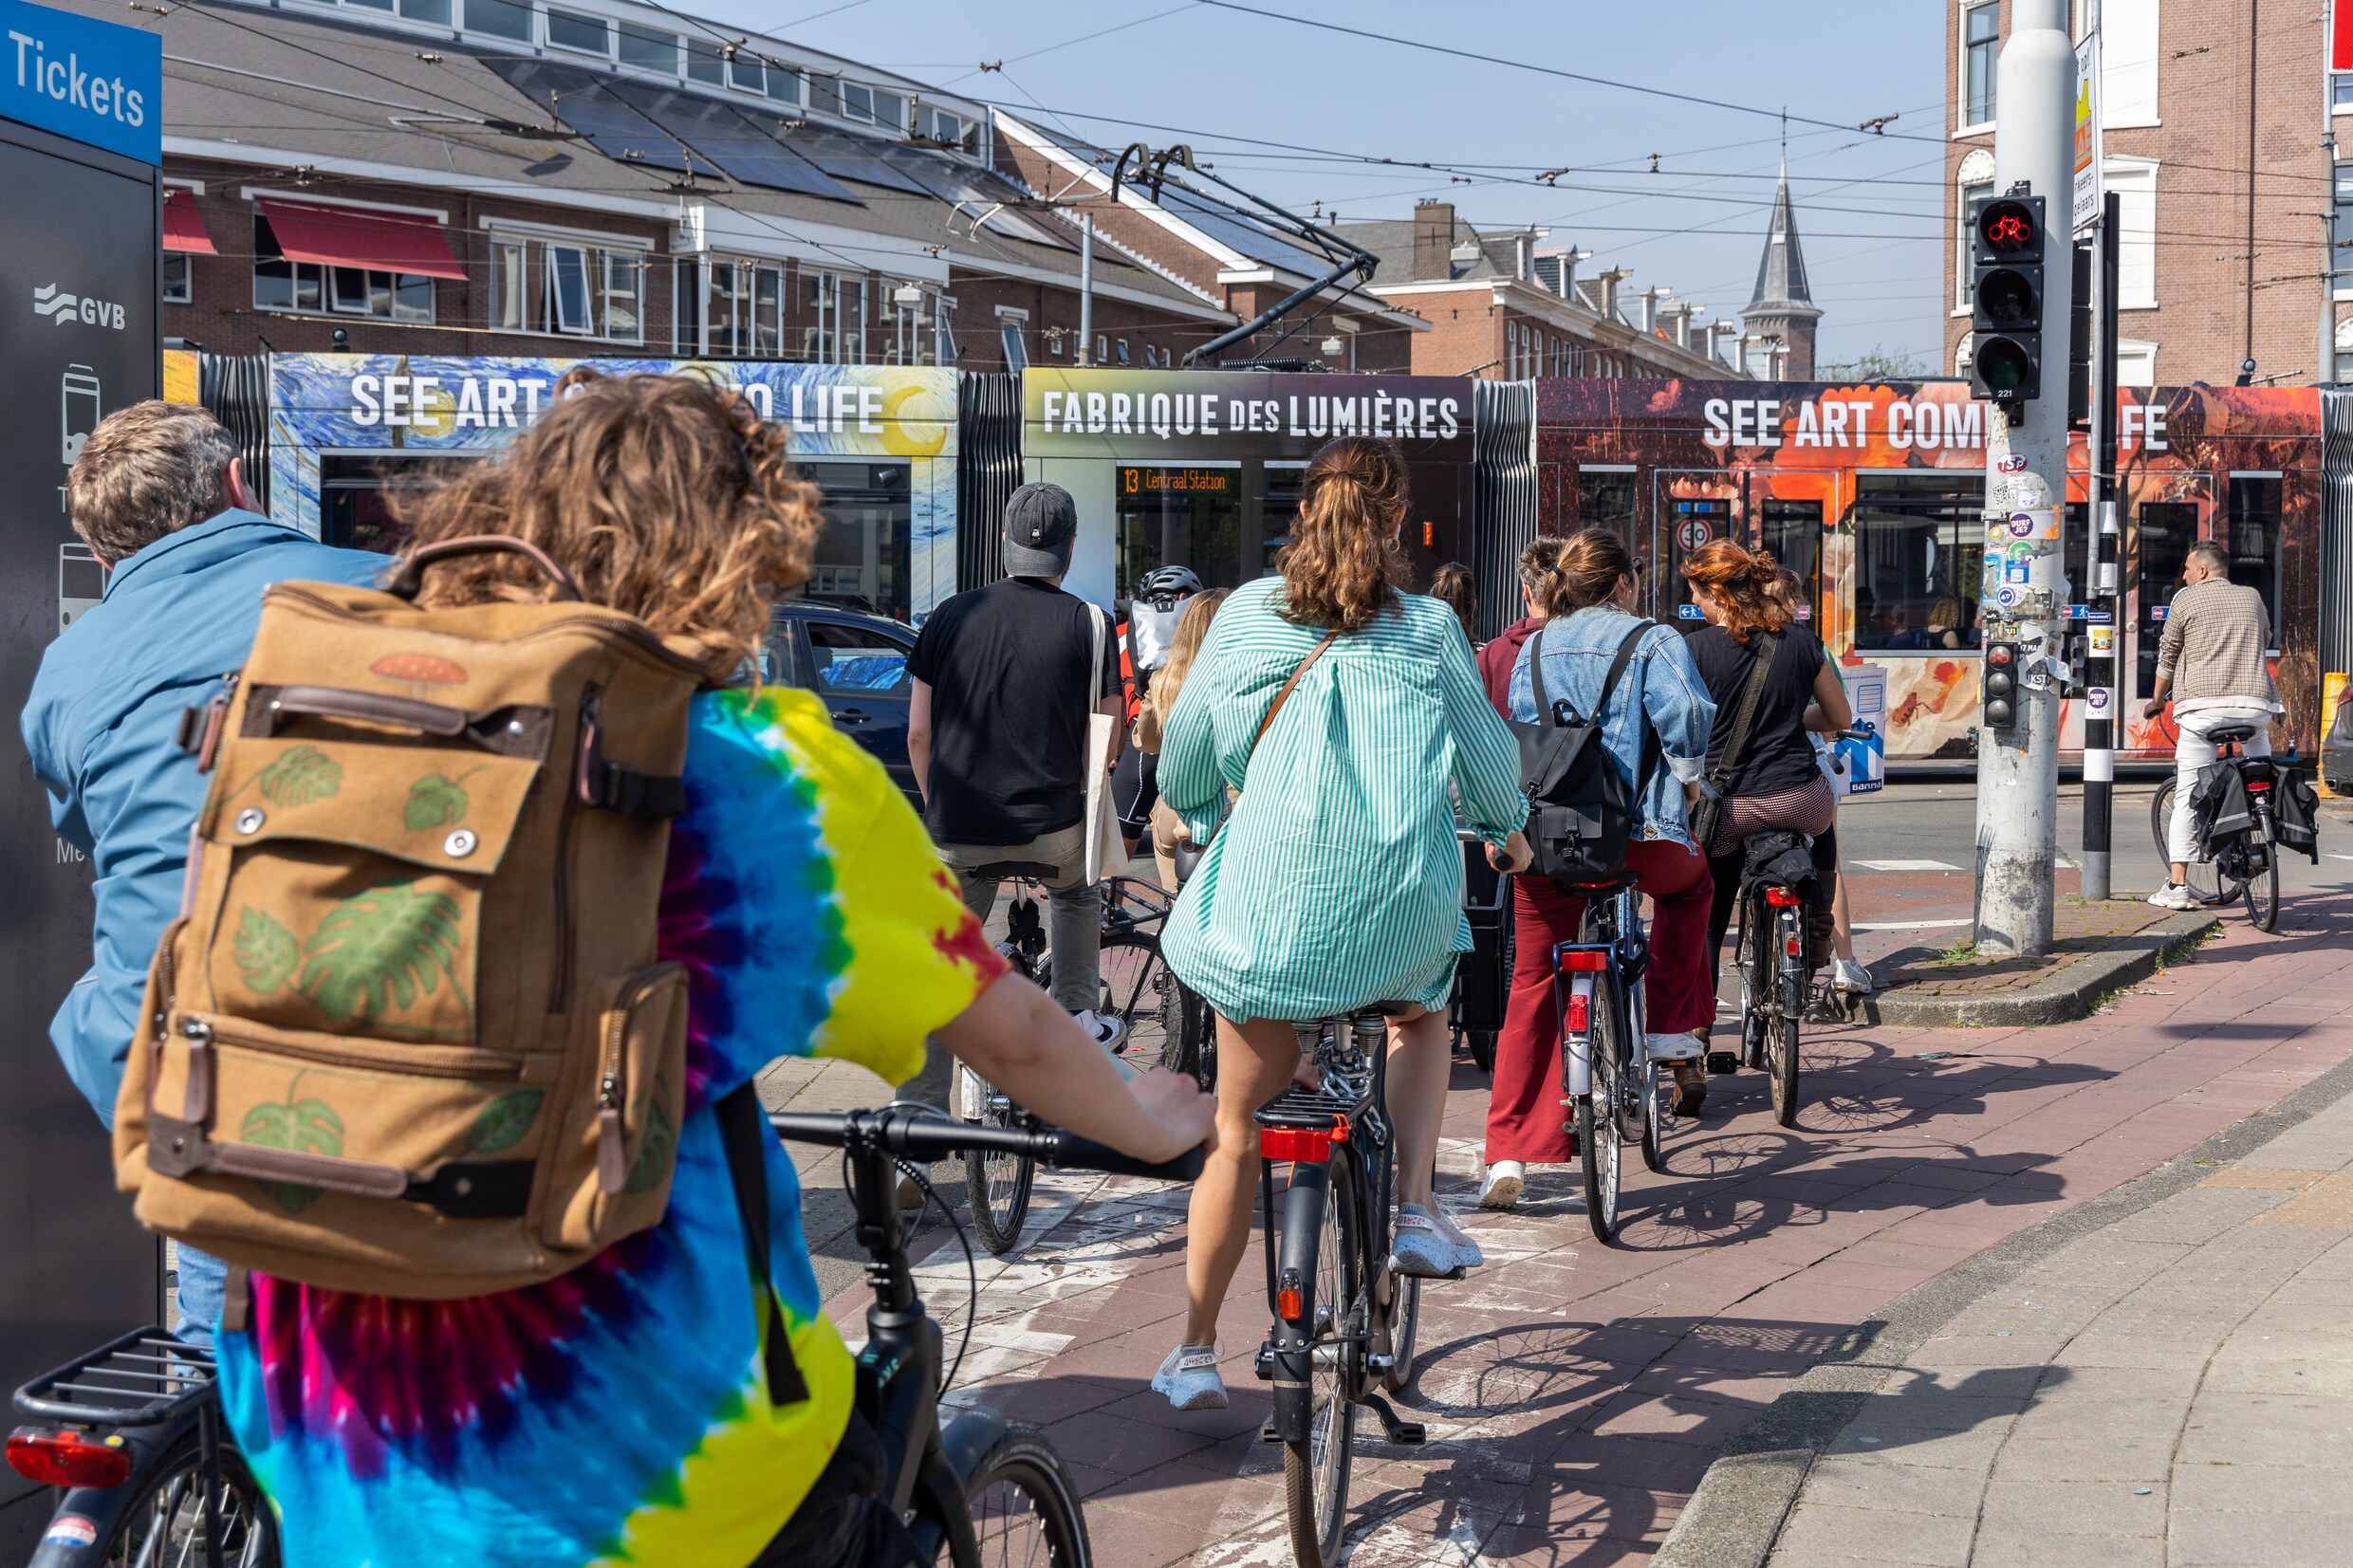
625 296
949 130
784 83
576 289
745 318
1981 48
499 19
818 318
283 284
649 51
943 330
852 296
1016 352
177 289
2134 180
2340 94
1120 349
1103 349
746 71
703 63
508 301
2128 57
1053 342
568 29
434 12
873 105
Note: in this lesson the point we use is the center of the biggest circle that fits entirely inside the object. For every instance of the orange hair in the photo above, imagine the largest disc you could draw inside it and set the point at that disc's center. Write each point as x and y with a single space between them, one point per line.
1746 582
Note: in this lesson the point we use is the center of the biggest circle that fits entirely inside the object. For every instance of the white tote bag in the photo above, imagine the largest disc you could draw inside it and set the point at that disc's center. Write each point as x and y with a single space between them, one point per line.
1105 849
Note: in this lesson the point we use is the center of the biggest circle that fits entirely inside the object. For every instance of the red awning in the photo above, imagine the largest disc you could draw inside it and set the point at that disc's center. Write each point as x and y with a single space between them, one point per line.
182 230
346 236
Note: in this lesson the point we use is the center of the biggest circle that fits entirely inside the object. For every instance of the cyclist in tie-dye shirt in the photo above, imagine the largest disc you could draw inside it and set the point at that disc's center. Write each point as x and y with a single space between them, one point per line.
619 1413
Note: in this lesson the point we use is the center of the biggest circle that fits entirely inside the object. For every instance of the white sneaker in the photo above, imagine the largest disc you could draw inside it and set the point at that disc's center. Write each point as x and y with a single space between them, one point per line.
2173 895
1501 1188
1850 978
1189 1378
1685 1046
1106 1030
1428 1247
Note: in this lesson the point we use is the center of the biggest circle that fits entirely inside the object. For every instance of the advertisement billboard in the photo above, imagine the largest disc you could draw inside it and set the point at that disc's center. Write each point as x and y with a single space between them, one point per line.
348 432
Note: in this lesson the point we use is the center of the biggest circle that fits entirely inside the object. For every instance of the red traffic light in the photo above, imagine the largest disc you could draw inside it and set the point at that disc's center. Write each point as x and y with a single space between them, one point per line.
1999 654
2007 227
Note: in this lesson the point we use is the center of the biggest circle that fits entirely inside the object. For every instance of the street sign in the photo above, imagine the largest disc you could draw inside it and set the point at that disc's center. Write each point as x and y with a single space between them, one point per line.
1693 533
92 81
2341 36
2087 137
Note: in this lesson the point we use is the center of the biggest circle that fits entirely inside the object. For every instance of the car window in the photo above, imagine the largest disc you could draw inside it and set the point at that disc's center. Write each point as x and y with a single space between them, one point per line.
778 664
852 660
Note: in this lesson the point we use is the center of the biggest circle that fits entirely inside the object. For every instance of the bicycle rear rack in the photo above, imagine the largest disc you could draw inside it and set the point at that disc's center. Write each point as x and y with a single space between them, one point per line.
1312 1110
143 1378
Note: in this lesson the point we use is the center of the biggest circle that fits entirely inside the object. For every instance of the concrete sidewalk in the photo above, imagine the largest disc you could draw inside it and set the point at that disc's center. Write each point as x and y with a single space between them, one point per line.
2174 1388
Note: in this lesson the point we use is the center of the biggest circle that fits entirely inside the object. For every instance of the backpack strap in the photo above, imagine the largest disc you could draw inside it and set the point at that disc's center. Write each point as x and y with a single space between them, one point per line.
1759 667
744 1129
1609 682
1280 698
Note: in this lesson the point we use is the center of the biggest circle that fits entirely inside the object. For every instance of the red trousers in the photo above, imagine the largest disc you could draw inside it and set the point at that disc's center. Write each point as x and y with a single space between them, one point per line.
1524 1118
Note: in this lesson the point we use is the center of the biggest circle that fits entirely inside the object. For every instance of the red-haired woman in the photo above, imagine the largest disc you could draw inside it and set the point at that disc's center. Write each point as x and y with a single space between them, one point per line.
1773 782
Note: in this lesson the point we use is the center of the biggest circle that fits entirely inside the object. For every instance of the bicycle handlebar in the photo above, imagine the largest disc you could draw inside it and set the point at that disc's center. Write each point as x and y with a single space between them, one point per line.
907 1136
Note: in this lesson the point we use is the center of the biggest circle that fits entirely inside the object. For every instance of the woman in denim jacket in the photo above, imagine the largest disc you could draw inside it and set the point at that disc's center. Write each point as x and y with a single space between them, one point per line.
1590 597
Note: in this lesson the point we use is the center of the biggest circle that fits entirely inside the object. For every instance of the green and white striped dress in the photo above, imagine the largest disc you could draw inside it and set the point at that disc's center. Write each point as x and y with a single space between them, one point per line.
1338 880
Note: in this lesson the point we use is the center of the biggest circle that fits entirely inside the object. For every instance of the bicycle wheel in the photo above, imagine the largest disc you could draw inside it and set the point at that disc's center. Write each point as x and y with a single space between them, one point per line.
1656 1085
1781 1056
2261 865
1597 1119
1756 986
2204 879
1191 1045
1025 1508
999 1185
1315 1472
165 1530
1136 989
1404 1328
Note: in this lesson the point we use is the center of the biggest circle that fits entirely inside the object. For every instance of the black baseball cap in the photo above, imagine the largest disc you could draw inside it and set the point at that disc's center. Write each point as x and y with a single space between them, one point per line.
1041 525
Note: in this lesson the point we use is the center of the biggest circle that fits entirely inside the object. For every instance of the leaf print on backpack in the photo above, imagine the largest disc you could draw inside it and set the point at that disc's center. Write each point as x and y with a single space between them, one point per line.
267 951
501 1124
660 1145
436 801
305 1126
300 776
380 950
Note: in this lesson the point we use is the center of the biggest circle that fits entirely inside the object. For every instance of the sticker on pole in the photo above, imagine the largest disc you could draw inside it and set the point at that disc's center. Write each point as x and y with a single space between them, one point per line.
1692 533
2097 700
2014 572
2014 463
2006 598
2104 639
2021 524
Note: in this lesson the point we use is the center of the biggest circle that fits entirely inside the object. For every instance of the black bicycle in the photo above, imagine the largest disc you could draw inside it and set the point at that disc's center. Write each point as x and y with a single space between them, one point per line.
131 1435
1605 1071
984 1489
1774 972
1344 1318
2246 864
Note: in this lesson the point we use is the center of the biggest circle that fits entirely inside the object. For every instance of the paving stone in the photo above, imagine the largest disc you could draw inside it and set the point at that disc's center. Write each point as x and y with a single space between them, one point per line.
2003 1547
2258 1540
1818 1534
2074 1507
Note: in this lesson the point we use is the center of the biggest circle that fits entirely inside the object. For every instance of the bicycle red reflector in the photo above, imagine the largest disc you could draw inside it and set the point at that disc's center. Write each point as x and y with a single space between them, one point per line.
1580 1014
69 1459
1790 947
1586 961
1294 1143
1287 1303
1781 899
2256 787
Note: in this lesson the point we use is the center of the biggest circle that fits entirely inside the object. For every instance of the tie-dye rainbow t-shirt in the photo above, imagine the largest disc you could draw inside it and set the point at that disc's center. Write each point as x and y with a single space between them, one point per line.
619 1413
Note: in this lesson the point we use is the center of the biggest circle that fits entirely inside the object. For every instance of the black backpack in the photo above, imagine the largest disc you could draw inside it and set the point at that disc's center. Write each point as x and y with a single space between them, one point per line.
1580 814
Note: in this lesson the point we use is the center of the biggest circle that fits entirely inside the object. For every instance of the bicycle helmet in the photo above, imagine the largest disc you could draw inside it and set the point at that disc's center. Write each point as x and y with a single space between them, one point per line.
1164 585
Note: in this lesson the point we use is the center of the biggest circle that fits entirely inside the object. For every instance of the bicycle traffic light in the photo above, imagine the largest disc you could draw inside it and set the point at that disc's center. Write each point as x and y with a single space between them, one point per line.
1999 695
2005 270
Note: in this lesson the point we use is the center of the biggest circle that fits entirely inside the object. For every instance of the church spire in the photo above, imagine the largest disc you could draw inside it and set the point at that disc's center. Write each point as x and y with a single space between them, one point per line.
1780 314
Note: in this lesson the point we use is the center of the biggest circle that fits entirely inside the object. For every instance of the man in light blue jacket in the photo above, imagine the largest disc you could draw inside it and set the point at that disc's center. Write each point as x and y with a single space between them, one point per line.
158 495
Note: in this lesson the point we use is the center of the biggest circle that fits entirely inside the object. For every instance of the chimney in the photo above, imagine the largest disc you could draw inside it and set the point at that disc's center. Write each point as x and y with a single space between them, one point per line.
1611 279
1654 302
1434 236
1520 245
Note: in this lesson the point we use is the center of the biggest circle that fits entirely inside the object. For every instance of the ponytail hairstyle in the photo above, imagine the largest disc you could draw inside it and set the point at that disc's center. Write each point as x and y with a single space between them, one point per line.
1454 588
1746 582
1587 571
1344 564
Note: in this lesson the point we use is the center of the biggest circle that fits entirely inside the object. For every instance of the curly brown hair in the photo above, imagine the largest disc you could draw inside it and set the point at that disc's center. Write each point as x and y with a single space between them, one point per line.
662 495
1343 566
1746 582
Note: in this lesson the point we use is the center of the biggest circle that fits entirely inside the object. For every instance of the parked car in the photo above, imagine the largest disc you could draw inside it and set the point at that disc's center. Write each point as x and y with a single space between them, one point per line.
857 664
2337 751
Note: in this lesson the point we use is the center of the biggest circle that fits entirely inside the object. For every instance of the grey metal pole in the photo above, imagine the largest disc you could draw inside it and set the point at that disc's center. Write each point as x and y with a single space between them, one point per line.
1087 289
2102 557
2018 770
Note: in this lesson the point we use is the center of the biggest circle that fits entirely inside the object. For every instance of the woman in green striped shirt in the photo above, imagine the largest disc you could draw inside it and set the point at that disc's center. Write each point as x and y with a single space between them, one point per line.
1336 882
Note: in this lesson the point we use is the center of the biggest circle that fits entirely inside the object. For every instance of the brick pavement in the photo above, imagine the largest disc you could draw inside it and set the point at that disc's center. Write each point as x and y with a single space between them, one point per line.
1575 1394
2174 1388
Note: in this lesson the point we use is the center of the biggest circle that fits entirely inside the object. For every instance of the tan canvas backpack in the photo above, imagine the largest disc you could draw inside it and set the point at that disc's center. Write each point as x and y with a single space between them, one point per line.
408 1035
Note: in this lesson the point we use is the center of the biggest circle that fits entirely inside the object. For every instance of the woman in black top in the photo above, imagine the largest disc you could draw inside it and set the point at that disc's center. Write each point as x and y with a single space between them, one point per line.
1775 782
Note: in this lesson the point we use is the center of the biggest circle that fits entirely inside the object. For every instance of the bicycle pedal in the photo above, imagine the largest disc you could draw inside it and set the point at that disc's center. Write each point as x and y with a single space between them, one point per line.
1723 1062
1262 1365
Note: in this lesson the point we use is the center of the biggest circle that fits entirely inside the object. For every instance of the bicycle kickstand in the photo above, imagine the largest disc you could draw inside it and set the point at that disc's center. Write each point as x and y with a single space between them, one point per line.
1404 1433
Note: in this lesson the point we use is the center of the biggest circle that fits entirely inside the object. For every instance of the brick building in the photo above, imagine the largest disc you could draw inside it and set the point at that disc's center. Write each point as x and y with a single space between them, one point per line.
2216 116
603 178
1506 305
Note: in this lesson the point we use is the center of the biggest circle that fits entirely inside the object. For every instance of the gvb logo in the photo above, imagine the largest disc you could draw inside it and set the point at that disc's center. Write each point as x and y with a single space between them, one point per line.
60 306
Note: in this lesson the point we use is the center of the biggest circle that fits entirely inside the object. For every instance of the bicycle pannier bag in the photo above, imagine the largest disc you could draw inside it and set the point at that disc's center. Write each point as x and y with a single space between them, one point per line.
408 1035
1581 812
2295 805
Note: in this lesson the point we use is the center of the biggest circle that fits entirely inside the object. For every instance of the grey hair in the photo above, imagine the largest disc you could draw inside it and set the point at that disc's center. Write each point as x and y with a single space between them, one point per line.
147 471
2216 557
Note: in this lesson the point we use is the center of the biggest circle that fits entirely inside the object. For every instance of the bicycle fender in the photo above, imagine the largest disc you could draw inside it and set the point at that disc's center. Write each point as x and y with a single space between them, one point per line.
1303 1216
967 1439
97 1511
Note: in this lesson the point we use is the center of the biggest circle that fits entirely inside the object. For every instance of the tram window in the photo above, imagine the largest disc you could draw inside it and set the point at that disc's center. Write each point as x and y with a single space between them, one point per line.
2254 541
861 560
1278 509
2162 534
1919 551
1606 500
1180 517
1791 531
360 496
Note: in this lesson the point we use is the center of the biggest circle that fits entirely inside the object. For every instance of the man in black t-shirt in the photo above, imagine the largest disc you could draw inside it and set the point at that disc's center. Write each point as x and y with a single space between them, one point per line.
1006 678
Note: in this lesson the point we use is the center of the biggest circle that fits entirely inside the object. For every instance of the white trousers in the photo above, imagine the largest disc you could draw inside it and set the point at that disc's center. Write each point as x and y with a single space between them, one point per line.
2195 751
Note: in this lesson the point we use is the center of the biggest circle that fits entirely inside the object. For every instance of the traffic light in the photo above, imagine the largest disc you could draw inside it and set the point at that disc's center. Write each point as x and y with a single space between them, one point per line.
2006 355
1999 699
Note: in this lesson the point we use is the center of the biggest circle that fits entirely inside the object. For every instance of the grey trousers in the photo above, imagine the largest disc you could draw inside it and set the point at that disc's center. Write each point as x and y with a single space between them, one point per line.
1074 930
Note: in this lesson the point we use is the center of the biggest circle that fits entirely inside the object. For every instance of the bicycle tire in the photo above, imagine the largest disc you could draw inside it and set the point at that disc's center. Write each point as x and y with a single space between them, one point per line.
1191 1048
1315 1472
1654 1082
1137 989
1753 986
164 1528
1022 1500
2261 887
1598 1140
1404 1325
1783 1050
2205 880
998 1186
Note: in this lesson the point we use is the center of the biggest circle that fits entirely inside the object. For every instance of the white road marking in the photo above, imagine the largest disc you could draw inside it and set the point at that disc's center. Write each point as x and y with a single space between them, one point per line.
1903 865
1908 925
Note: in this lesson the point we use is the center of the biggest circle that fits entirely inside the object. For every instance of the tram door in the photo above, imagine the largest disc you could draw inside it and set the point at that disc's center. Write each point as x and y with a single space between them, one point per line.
2164 526
1787 512
1689 508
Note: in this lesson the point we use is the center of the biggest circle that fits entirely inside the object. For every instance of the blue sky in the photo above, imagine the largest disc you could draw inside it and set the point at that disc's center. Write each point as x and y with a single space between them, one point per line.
1867 206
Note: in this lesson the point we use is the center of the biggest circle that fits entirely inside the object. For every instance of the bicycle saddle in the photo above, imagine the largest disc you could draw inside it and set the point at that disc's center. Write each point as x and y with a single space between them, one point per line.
1007 871
2237 733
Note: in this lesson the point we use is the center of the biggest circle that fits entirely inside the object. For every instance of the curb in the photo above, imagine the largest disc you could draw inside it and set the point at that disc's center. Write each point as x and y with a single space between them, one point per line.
2061 998
1735 1516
